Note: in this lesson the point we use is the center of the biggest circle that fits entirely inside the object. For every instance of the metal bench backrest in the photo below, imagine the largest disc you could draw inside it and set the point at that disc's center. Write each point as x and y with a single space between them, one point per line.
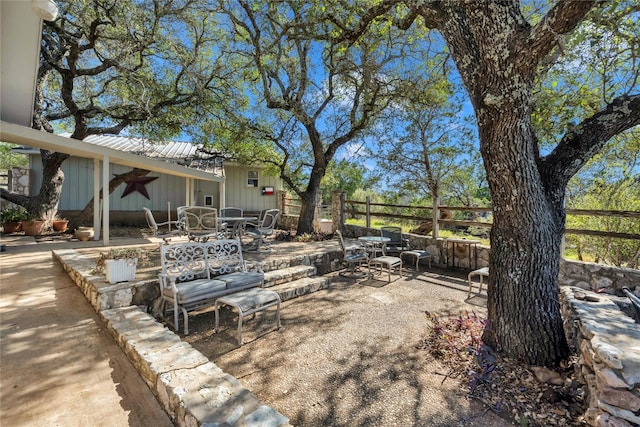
224 256
182 262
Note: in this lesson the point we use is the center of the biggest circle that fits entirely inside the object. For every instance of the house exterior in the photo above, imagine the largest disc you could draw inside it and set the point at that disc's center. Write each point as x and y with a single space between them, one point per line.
231 184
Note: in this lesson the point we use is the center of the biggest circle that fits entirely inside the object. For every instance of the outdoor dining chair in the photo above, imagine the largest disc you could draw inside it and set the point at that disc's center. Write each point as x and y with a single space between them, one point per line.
231 212
398 243
353 256
201 223
260 234
174 228
232 228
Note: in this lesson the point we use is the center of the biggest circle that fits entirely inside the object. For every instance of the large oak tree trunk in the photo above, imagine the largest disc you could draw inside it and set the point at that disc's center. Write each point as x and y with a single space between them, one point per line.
524 311
44 204
523 306
307 210
309 200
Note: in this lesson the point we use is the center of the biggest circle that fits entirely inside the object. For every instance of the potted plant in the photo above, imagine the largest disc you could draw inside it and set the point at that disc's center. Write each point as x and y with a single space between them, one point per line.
12 217
33 226
60 224
84 233
119 265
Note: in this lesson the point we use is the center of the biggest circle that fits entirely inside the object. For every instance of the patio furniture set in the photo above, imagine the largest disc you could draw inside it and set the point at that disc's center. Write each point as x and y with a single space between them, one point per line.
391 241
199 275
201 223
366 252
209 270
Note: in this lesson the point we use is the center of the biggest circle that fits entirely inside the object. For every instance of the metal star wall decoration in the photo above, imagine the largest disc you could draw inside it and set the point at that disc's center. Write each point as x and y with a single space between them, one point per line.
138 184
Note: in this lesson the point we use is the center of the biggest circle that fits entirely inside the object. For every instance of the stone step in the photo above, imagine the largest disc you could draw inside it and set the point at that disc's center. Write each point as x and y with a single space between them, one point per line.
288 274
304 286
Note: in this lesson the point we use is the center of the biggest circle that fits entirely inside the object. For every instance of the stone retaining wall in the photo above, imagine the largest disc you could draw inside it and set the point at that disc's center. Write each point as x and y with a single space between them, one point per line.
192 390
101 294
585 275
598 277
608 343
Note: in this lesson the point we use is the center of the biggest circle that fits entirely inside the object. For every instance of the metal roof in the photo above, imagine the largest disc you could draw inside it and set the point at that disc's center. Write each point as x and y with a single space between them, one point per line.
28 137
184 153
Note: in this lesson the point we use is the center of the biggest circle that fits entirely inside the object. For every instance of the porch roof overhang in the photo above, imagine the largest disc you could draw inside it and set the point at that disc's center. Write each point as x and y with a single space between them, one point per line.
22 135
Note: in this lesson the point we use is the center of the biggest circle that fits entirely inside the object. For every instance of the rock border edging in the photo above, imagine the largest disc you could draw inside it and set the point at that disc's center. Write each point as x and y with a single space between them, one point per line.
192 390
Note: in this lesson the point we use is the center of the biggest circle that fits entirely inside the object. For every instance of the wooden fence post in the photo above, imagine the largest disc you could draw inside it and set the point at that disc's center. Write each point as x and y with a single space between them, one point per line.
368 217
337 209
436 215
283 202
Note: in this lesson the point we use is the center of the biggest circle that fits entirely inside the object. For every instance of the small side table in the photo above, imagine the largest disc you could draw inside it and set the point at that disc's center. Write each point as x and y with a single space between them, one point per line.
249 302
481 272
375 244
469 244
390 262
418 255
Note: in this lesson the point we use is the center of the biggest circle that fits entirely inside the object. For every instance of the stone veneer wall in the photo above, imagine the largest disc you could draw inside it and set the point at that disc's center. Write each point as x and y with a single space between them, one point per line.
598 277
608 344
19 181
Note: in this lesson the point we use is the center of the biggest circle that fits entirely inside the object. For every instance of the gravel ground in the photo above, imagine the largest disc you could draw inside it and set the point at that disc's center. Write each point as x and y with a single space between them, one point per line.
350 356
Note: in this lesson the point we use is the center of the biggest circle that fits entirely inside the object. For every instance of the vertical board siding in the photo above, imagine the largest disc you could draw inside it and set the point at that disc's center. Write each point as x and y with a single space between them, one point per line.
77 189
249 198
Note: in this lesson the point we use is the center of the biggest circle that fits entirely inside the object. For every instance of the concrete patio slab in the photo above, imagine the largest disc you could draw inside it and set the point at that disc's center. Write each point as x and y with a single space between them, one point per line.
59 366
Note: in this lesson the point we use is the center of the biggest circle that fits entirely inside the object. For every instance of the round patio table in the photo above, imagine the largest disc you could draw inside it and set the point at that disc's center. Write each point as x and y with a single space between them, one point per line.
237 223
375 244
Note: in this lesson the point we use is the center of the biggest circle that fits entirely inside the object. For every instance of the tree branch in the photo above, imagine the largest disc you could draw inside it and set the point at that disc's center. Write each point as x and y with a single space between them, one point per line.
563 18
585 140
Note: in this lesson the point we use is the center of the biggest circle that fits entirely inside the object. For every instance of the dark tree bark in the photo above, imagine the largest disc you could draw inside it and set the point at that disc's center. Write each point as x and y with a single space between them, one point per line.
43 205
497 53
309 198
86 216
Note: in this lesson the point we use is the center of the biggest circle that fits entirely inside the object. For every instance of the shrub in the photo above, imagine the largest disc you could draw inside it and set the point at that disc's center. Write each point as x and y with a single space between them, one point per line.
13 214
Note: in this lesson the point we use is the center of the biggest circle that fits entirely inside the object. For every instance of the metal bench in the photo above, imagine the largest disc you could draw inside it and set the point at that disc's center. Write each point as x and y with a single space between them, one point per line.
196 274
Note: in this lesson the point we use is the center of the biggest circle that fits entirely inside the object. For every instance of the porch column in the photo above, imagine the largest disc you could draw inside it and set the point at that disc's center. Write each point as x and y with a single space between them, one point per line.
105 199
96 199
187 190
223 194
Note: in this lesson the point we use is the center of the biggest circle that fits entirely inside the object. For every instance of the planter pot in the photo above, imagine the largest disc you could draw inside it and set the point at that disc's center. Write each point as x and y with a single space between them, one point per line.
84 233
60 224
33 228
120 270
12 227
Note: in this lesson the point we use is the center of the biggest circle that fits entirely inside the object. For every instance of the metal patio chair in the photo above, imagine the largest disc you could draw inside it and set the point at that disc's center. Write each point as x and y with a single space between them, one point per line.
261 233
232 229
398 243
174 228
354 256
